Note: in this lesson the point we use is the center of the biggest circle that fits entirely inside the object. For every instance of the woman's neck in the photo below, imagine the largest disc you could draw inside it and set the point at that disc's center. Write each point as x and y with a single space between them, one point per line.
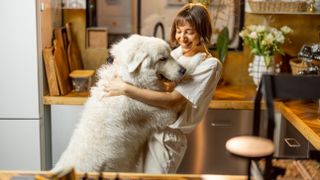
193 51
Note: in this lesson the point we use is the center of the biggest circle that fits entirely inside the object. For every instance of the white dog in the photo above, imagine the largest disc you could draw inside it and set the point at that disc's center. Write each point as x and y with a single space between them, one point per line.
113 130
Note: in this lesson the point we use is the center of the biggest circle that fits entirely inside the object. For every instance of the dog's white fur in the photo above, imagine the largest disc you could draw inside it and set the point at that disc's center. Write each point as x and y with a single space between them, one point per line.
112 130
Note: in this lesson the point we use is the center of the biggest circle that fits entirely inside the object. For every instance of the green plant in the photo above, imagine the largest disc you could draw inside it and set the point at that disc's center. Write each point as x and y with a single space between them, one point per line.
222 44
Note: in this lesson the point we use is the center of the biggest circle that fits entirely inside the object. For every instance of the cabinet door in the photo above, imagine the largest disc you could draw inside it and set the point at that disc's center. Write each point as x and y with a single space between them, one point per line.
20 145
206 152
19 97
63 122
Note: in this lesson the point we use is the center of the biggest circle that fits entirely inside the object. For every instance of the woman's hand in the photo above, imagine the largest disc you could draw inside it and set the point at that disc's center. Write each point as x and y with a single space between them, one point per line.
115 87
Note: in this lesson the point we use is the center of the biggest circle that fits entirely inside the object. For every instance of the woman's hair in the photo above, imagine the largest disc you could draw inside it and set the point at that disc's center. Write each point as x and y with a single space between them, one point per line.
198 17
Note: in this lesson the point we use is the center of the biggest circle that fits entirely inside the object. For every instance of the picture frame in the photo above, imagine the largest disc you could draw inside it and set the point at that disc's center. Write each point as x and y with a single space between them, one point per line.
229 13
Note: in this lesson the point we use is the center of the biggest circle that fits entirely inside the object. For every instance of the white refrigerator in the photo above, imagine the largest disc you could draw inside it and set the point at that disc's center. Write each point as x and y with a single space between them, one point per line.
23 144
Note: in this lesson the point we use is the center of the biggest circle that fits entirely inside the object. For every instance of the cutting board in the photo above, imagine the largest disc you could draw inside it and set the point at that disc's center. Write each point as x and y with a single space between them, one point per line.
49 63
73 51
62 69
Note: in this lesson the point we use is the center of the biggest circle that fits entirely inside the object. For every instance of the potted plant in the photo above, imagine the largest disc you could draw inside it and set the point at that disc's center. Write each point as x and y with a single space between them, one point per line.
264 42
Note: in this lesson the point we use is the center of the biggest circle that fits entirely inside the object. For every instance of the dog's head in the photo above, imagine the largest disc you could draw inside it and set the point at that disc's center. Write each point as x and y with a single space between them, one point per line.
143 60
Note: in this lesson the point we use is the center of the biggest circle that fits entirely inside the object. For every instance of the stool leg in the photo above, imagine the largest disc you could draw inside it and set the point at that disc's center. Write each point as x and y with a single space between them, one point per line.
249 169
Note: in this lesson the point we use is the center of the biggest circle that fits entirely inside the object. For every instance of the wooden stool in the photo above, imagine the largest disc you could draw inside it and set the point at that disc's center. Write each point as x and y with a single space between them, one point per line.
251 148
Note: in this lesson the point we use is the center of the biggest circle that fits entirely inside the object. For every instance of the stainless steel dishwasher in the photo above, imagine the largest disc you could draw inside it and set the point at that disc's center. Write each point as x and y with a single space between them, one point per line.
206 151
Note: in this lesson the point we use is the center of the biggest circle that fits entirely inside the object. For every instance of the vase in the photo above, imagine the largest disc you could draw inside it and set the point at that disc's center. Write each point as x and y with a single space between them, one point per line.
258 67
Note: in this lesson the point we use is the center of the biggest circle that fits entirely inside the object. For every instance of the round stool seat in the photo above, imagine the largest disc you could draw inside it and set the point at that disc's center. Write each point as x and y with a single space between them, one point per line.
250 146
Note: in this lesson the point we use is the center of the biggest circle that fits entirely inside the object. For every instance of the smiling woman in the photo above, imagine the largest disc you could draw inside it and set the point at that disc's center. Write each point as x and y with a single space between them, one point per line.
192 32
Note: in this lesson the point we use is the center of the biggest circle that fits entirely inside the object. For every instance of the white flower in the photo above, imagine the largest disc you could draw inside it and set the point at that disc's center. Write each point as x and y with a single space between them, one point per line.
274 30
260 28
253 35
286 29
269 39
280 38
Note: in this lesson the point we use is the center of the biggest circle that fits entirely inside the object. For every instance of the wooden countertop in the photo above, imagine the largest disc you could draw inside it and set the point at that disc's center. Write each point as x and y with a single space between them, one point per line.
303 115
7 175
234 97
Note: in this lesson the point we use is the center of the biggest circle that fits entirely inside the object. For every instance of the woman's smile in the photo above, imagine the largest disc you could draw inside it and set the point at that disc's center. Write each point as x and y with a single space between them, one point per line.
186 36
185 44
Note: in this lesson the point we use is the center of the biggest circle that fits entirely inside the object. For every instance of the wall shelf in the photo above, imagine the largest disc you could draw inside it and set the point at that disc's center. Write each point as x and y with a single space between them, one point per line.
286 13
72 98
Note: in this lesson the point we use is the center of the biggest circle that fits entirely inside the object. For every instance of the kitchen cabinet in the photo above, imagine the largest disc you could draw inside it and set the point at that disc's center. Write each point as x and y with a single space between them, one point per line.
20 144
291 143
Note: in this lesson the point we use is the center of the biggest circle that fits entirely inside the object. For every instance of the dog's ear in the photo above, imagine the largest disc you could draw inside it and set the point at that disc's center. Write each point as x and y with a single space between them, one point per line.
136 60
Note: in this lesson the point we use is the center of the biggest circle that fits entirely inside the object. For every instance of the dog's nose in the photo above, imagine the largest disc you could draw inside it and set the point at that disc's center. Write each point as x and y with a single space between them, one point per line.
182 70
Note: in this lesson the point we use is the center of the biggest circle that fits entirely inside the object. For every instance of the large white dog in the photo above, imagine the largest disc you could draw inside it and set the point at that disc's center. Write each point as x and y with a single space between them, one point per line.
113 130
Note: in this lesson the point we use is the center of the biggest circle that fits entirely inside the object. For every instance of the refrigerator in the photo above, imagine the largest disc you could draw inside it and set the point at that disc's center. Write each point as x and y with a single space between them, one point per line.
22 121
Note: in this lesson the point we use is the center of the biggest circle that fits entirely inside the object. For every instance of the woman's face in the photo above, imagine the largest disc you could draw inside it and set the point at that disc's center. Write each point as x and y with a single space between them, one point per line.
186 36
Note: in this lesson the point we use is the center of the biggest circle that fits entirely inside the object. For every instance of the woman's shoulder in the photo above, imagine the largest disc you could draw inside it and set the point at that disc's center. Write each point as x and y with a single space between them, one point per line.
177 52
211 62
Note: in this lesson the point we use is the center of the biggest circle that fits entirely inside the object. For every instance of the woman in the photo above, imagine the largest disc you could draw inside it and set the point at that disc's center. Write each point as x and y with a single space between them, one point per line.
192 31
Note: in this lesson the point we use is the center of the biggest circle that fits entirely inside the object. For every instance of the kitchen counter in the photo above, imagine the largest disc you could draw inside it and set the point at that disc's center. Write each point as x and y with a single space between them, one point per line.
226 97
7 175
303 115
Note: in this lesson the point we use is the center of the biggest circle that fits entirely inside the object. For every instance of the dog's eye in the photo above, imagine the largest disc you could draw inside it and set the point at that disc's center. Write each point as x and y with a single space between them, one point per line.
163 59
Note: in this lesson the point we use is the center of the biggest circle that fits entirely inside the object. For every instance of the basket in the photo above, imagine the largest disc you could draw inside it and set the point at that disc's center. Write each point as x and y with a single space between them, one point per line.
277 6
297 65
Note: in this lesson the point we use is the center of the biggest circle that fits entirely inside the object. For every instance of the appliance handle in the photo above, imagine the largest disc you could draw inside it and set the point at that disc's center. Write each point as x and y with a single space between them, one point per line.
292 142
221 124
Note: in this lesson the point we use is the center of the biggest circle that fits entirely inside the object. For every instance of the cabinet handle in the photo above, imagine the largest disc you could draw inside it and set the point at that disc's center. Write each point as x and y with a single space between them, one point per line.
292 142
221 124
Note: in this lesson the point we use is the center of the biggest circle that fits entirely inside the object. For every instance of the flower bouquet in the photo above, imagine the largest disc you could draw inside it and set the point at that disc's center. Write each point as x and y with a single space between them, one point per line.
264 40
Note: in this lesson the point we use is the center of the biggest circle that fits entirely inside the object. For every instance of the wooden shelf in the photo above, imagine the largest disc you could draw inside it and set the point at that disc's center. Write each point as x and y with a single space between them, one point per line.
72 98
286 13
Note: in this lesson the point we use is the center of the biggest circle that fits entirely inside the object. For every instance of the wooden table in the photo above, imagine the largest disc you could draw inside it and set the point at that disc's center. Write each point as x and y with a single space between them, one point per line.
7 175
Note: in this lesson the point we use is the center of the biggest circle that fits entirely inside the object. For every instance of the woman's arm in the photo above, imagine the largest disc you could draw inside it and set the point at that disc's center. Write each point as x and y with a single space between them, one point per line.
172 99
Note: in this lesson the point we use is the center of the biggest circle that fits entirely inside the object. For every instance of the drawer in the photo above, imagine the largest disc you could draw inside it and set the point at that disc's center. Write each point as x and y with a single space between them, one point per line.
292 144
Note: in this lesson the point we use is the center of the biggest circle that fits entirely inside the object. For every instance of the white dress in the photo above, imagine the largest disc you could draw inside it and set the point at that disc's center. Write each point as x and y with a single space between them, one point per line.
167 148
